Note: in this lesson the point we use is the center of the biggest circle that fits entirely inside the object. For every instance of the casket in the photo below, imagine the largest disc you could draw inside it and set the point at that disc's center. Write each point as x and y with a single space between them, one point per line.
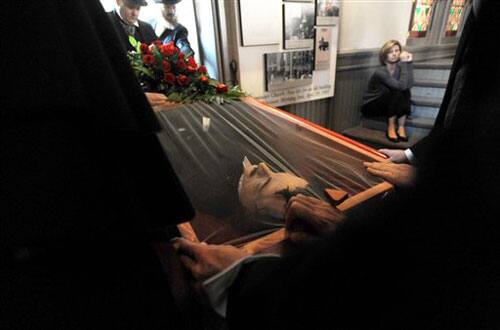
206 144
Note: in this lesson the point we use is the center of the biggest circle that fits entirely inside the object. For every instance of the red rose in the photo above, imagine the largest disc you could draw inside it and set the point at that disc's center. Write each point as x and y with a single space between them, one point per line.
191 69
181 65
182 80
158 43
180 56
204 79
166 66
168 49
169 78
202 69
192 62
221 88
148 59
144 48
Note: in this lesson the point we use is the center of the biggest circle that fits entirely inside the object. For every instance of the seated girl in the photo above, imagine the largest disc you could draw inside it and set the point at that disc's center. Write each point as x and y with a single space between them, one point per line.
388 93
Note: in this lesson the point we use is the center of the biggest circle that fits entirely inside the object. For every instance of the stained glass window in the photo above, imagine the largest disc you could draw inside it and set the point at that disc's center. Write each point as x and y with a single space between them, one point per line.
454 17
421 17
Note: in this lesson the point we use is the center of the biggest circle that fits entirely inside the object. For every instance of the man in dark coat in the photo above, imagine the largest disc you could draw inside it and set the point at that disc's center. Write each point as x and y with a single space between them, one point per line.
427 258
79 168
173 31
125 19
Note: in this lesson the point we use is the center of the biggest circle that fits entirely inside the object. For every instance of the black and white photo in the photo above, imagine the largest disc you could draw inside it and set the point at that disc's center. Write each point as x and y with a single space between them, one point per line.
289 70
327 12
298 25
322 49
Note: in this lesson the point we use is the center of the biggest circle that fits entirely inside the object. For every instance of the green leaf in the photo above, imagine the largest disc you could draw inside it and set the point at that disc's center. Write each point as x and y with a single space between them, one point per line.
144 71
176 97
133 42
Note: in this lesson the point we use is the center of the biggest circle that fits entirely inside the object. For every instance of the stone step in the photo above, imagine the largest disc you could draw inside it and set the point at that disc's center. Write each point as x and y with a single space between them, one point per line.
426 101
424 111
417 127
431 74
443 64
411 122
430 83
420 91
377 139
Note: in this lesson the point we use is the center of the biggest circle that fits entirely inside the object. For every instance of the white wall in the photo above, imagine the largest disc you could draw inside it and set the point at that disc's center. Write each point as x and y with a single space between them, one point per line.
369 23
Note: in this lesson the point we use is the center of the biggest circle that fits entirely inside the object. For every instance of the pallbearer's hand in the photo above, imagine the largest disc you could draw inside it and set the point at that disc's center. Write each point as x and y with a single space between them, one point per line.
400 175
155 99
395 155
205 260
308 218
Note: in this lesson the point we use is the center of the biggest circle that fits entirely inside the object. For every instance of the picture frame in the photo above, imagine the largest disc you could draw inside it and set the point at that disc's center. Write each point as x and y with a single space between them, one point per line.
259 27
298 25
327 12
323 45
286 70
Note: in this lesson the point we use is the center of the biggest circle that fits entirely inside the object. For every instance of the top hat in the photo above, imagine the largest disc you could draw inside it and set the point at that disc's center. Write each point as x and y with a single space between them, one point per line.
137 2
168 2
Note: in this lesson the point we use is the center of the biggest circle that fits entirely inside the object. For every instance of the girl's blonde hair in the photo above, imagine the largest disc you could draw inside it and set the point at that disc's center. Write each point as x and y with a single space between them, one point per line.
386 48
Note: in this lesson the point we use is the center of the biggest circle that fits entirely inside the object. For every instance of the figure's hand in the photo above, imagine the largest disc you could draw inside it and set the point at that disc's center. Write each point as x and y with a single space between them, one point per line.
307 218
155 99
400 175
395 155
405 56
203 260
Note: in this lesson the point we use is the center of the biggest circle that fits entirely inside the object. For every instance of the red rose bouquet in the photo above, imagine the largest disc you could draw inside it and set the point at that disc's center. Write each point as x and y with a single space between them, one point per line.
165 69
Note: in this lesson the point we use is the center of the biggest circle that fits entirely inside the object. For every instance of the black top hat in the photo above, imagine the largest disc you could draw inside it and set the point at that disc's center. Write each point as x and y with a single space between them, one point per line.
137 2
168 2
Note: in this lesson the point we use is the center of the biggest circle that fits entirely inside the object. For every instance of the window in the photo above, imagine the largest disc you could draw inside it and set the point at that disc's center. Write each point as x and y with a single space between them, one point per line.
152 14
421 19
455 15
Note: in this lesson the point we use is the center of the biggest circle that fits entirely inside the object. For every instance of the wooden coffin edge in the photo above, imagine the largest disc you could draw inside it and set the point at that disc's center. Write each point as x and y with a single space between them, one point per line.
276 237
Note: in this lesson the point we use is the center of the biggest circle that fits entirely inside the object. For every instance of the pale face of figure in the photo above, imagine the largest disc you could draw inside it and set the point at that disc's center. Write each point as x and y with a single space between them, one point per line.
261 190
168 13
393 55
128 11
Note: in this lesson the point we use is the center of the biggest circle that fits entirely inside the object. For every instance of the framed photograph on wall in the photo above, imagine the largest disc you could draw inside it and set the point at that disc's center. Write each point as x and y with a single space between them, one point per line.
288 70
259 27
327 12
298 25
322 48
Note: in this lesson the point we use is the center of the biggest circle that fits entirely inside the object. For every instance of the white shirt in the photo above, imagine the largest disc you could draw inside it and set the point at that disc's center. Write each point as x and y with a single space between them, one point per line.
217 286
